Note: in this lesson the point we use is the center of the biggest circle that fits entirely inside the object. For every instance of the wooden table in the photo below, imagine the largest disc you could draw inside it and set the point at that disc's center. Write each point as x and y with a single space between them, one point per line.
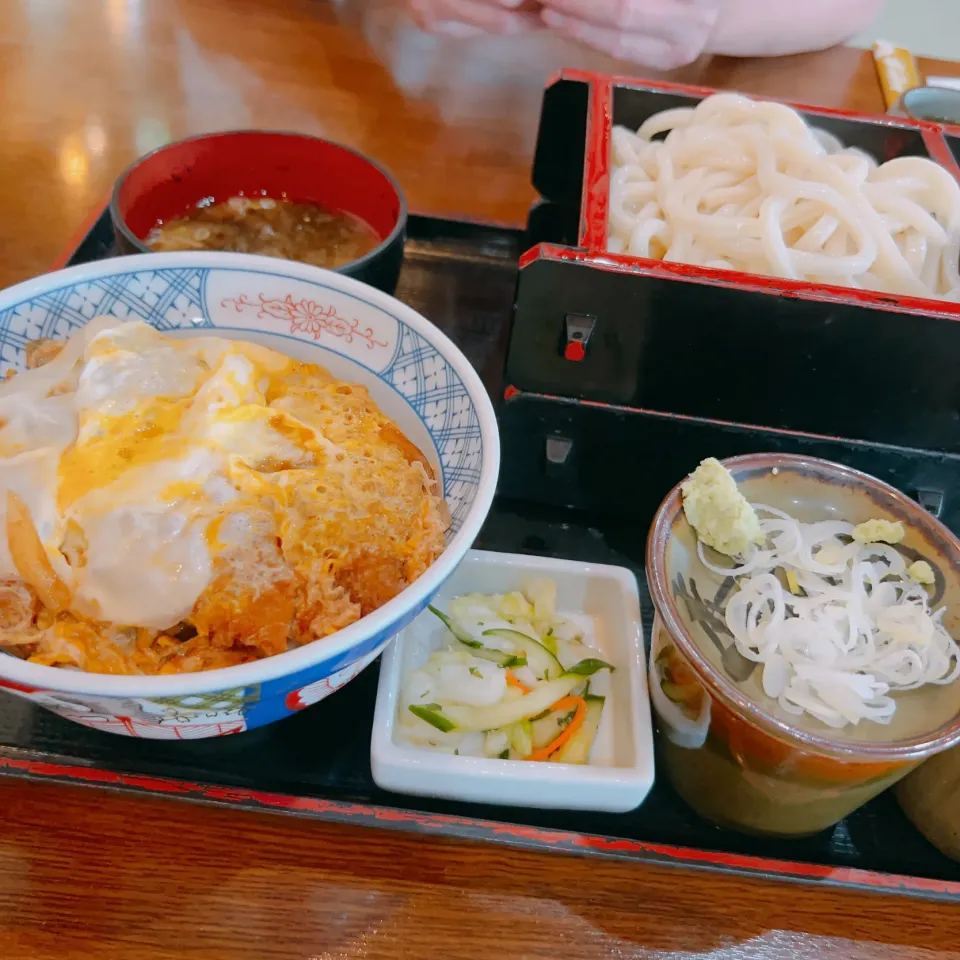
85 87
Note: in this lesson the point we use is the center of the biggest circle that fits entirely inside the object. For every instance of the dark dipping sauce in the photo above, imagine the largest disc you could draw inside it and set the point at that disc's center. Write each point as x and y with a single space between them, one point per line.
272 228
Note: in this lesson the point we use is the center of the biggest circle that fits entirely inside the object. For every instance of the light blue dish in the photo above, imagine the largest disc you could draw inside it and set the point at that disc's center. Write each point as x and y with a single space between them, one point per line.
416 375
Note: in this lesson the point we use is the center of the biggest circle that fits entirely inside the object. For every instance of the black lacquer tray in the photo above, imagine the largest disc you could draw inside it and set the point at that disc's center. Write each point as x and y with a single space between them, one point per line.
463 276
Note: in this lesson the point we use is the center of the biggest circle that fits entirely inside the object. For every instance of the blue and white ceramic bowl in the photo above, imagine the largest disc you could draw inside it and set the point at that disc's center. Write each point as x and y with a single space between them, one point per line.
416 375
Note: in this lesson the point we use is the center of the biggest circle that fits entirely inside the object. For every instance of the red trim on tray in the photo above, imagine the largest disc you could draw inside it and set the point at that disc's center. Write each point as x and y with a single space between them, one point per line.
593 226
534 253
555 839
777 286
810 871
640 83
556 77
511 392
80 234
665 86
596 170
939 150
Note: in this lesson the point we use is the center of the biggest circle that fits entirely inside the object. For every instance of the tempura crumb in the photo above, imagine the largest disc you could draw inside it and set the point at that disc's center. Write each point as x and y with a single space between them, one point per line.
718 511
879 531
921 572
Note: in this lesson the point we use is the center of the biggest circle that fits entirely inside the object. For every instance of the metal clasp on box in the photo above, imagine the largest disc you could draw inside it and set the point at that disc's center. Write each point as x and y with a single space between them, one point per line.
931 500
578 329
558 452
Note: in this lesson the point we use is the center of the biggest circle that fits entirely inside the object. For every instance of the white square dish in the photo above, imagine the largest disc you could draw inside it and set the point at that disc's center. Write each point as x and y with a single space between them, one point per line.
616 782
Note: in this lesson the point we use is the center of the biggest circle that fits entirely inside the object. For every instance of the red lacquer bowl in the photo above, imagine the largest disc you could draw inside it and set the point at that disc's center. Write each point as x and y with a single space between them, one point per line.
171 180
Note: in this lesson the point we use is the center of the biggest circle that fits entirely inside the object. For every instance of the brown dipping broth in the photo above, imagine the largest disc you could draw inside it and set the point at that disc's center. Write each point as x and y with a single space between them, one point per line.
741 777
726 747
274 228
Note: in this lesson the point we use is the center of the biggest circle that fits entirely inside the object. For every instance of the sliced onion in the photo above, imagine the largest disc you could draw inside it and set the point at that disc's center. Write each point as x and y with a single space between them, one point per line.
861 630
30 558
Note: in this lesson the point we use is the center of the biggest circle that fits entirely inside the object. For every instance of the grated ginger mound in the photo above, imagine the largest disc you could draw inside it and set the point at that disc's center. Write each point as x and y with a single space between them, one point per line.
718 512
329 537
921 572
879 531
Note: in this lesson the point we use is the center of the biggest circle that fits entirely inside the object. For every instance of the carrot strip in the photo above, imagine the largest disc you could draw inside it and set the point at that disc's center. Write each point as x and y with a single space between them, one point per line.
544 753
512 681
568 703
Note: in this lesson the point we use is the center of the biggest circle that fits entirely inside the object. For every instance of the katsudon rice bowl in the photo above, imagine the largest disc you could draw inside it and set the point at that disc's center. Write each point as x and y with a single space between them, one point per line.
228 481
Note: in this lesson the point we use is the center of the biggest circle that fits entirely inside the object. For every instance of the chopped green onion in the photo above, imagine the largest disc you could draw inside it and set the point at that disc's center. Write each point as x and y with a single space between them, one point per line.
587 668
432 713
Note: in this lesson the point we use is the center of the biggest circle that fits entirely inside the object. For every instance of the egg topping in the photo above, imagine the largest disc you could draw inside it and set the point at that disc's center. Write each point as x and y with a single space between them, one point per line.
181 504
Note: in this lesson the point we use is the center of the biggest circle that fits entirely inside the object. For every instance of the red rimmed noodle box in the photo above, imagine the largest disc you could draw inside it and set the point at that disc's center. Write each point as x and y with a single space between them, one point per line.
690 340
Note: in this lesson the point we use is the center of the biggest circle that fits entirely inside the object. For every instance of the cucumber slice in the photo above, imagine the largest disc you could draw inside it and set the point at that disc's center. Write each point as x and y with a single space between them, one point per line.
547 728
550 642
496 742
521 738
577 750
464 638
543 663
432 713
541 698
498 657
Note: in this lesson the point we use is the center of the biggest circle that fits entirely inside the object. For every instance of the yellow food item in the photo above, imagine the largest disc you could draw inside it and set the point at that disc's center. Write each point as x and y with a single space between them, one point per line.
879 531
197 503
718 511
896 70
829 554
921 572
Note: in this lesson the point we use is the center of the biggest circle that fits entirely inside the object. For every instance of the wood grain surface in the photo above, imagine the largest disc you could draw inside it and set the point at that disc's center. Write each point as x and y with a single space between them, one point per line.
85 87
87 874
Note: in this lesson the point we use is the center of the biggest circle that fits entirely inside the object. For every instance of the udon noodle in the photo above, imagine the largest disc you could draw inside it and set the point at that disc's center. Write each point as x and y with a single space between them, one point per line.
743 185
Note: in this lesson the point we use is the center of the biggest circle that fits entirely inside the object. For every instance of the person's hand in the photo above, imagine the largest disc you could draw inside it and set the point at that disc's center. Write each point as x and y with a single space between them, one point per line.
464 18
663 34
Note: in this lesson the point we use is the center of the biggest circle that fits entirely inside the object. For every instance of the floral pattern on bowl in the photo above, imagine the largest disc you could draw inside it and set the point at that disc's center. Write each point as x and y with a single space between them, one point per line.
416 375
